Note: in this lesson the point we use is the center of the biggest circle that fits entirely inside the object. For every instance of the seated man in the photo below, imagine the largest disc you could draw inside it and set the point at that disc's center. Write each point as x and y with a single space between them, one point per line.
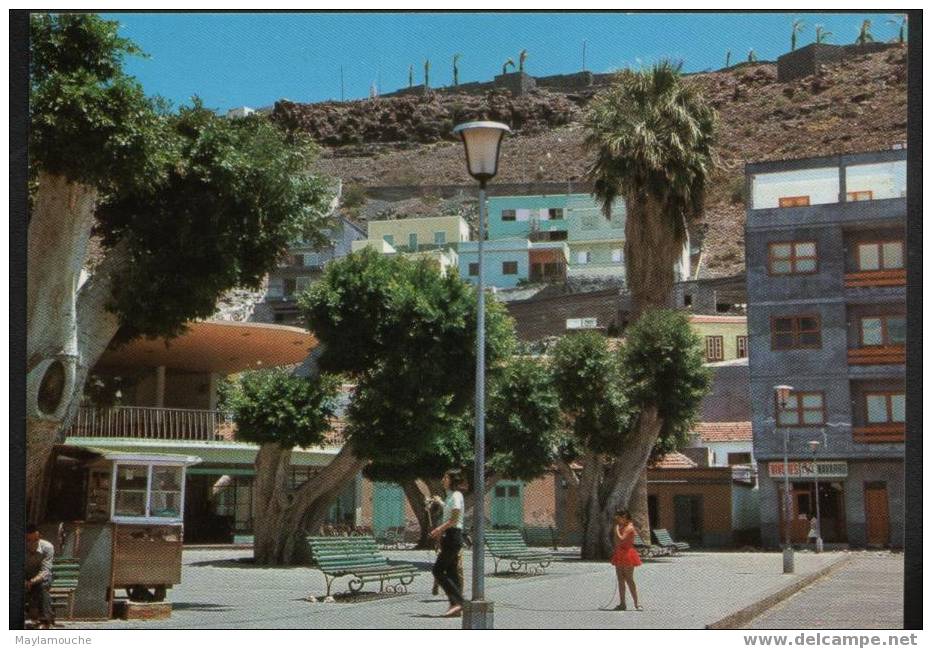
39 555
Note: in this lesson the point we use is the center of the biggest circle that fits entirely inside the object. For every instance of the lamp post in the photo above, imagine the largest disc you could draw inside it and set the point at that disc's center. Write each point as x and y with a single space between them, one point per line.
783 396
814 445
482 141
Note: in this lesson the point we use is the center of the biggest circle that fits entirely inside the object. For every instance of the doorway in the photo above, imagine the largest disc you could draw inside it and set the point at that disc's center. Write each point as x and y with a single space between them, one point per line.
687 518
388 507
508 504
877 514
831 510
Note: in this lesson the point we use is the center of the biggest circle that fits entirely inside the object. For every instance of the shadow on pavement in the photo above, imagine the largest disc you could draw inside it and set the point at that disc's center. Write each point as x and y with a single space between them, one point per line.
199 606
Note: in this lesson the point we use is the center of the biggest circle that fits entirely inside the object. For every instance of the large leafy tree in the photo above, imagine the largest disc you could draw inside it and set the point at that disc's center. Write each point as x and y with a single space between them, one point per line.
652 135
180 207
604 397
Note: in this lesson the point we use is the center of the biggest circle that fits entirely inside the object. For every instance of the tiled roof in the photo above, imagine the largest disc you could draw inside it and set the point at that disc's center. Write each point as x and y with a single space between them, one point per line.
673 461
724 431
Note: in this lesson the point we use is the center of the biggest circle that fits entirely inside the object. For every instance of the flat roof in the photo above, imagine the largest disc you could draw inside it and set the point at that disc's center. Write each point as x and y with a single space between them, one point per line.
217 346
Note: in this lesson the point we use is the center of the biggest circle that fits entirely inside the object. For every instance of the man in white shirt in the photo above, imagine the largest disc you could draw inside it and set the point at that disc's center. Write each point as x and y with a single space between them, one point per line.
39 557
450 533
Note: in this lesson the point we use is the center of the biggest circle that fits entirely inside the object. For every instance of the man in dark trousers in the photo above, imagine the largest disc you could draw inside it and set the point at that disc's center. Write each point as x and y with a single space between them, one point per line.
450 534
39 556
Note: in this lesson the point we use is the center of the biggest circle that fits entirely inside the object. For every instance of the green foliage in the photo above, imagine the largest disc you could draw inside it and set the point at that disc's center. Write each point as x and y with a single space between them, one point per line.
406 335
452 450
652 134
523 414
456 69
663 367
798 27
588 378
354 196
864 34
89 121
235 197
821 36
427 73
275 406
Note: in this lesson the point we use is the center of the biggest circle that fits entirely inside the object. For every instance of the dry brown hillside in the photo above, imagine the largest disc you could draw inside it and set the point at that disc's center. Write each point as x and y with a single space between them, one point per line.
855 105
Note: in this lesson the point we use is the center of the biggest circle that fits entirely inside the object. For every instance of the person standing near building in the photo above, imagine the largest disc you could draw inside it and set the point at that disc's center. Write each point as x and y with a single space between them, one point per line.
625 558
39 556
450 535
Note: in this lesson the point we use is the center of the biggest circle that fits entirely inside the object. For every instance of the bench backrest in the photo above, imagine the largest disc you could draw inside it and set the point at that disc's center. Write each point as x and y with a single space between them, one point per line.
540 536
340 552
663 537
638 541
65 572
506 540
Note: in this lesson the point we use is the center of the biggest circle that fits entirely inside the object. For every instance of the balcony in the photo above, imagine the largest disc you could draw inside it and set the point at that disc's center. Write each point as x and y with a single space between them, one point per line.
880 434
133 422
895 277
884 355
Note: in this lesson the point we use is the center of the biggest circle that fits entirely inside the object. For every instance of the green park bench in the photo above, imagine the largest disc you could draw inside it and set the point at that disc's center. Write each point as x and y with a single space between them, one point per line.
65 572
508 545
646 550
359 558
666 541
542 537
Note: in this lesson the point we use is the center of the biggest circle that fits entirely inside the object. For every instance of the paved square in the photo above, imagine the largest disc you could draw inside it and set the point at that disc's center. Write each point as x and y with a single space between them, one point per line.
219 590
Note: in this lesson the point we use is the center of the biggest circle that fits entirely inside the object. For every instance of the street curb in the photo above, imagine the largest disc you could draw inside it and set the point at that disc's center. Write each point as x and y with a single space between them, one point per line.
741 617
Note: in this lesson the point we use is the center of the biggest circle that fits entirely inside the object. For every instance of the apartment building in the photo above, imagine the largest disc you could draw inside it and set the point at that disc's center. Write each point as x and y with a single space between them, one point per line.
434 237
825 252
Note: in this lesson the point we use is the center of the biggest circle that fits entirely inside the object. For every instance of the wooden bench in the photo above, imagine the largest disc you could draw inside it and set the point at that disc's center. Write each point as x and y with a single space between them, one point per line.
545 537
65 572
508 545
666 541
358 557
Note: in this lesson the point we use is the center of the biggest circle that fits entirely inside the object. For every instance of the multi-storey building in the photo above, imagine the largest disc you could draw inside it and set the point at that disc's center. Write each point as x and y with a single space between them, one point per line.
724 337
433 237
303 265
826 315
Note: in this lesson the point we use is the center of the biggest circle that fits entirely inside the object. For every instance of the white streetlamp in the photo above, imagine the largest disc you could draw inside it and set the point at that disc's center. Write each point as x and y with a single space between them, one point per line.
483 141
783 397
814 445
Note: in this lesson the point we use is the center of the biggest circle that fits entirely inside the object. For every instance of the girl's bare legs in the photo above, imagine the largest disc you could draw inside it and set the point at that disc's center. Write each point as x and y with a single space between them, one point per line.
619 572
628 575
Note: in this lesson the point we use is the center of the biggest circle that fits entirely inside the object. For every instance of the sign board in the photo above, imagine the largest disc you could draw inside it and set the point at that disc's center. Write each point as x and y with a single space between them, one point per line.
807 469
581 323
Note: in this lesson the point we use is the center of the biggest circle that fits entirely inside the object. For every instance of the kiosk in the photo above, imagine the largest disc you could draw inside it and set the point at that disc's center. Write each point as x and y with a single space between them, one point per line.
121 515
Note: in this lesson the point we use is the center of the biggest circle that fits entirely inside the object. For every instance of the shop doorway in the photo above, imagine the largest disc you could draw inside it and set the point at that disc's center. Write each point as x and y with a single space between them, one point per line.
877 514
831 506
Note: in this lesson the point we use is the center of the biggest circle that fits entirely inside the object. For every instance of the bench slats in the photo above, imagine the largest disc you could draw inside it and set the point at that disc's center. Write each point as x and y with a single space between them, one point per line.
357 556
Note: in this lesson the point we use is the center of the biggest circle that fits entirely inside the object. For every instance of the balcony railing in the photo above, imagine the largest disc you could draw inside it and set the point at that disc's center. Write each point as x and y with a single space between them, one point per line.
880 433
135 422
876 278
886 355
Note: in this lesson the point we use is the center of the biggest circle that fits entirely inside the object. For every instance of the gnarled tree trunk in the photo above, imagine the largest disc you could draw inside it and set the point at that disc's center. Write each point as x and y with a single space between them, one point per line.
417 499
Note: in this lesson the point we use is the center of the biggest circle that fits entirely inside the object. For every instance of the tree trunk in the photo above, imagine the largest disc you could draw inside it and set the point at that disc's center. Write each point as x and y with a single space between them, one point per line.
653 244
282 518
469 499
637 506
58 233
417 500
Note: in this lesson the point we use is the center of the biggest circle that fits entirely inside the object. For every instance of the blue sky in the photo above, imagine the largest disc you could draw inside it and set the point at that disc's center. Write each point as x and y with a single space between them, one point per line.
237 59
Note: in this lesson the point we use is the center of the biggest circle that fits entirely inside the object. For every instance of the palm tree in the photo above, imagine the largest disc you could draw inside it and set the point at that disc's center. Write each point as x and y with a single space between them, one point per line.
652 135
506 64
456 69
798 27
728 59
901 23
821 36
864 35
522 57
427 73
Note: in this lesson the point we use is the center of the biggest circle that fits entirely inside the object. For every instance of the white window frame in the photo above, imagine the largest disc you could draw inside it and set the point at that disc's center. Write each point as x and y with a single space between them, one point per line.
147 519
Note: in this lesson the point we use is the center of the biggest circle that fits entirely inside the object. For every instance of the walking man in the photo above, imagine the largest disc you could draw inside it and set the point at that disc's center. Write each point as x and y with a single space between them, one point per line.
39 556
450 534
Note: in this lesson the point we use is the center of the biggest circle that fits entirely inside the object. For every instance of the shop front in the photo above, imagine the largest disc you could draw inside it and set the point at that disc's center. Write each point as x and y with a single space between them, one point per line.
803 494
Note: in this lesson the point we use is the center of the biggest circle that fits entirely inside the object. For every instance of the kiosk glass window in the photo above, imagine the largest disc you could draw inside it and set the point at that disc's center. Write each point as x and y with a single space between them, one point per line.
131 488
165 496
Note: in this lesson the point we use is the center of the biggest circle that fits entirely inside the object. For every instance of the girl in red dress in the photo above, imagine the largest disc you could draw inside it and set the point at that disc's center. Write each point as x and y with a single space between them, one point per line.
625 558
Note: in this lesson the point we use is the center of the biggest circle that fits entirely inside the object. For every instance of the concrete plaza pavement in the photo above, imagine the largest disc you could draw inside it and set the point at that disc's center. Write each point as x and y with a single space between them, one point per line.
220 589
865 593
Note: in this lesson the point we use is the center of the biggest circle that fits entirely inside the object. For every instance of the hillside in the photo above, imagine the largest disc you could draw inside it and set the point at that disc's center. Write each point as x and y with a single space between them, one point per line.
854 105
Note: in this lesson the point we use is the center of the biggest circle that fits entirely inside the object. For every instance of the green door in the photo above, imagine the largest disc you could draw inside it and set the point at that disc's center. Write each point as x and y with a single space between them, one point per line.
388 506
508 504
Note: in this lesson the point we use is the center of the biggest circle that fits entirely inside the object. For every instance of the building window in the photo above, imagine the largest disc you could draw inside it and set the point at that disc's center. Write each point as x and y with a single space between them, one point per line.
792 257
508 215
616 256
474 270
714 348
885 407
796 332
739 458
883 330
440 238
865 195
583 257
523 214
289 286
389 239
802 409
741 345
509 268
880 255
794 201
555 213
412 242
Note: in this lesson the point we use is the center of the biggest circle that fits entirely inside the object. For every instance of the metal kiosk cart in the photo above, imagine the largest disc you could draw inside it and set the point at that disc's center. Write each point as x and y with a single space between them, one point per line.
121 515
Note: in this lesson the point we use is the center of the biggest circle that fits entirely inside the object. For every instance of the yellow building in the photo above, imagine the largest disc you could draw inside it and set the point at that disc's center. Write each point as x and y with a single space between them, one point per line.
434 237
725 336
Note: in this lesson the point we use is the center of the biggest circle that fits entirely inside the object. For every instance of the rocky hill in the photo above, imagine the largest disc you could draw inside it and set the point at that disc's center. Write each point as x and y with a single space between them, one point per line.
854 105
